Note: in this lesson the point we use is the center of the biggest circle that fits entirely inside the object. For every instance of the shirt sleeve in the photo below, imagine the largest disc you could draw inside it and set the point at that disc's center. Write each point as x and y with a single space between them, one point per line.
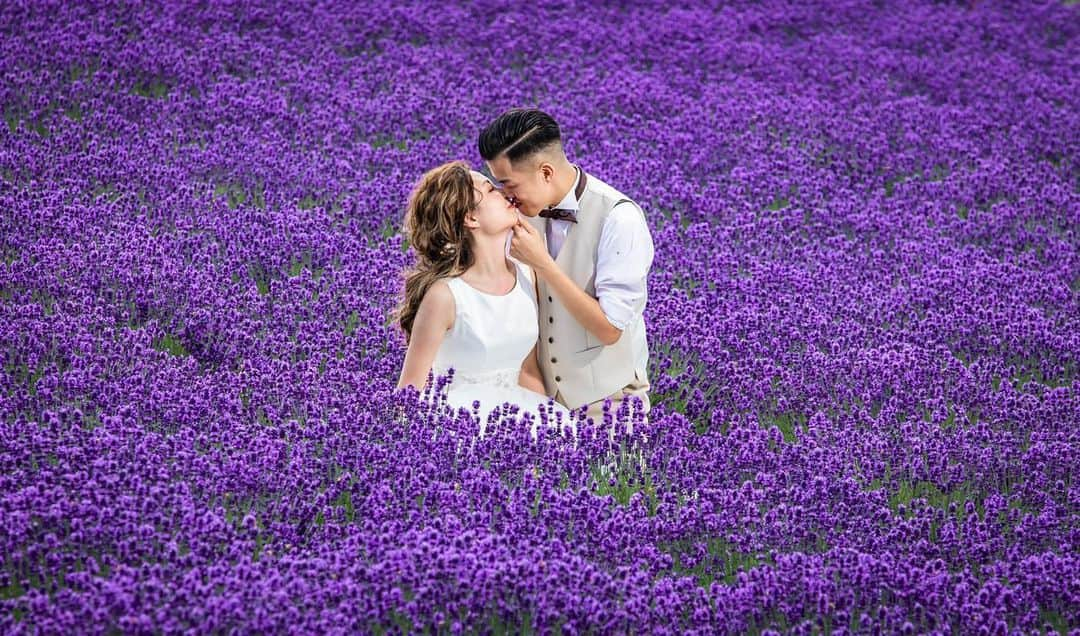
623 258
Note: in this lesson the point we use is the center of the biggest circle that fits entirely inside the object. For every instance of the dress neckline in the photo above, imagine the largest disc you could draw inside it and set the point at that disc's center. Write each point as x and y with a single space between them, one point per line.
517 277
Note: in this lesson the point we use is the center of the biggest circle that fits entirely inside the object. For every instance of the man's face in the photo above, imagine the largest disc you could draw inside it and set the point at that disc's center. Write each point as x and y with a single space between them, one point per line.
524 182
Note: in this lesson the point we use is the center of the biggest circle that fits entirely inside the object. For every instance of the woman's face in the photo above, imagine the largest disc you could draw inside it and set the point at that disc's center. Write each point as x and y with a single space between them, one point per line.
495 213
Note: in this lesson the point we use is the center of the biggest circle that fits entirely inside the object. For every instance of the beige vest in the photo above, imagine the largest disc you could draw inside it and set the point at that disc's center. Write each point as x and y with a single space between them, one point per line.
572 361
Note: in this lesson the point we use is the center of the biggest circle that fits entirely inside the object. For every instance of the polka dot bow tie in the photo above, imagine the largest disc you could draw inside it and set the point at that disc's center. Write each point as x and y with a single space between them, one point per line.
559 214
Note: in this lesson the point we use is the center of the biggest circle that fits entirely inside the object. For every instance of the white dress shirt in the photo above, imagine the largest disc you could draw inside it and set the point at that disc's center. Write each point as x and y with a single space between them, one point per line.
623 258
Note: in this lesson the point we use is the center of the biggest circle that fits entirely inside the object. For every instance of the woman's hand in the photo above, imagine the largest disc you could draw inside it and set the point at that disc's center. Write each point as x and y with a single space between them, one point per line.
530 377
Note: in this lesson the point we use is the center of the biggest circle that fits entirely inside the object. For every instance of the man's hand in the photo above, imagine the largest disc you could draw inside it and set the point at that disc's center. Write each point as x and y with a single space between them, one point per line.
528 246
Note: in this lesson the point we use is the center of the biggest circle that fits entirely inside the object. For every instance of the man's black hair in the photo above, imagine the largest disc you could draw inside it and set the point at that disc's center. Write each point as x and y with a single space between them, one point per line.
519 132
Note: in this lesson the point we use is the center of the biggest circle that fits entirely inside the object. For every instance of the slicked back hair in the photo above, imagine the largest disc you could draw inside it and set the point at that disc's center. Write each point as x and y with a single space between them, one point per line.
520 133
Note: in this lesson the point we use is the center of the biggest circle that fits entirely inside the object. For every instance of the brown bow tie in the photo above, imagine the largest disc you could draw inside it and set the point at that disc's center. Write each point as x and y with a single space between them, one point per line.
559 214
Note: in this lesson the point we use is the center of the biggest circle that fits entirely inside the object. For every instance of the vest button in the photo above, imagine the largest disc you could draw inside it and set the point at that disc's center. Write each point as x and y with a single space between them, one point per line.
558 379
549 299
551 319
551 339
553 360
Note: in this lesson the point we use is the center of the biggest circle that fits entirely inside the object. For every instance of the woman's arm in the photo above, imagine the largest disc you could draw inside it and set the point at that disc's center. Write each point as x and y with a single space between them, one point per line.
530 377
434 317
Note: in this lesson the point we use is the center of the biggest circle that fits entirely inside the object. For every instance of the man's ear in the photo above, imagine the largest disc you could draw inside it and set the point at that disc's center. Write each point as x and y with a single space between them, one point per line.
547 171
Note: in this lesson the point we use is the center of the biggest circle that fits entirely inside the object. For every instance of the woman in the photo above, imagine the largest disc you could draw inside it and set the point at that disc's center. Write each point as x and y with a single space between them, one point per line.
467 305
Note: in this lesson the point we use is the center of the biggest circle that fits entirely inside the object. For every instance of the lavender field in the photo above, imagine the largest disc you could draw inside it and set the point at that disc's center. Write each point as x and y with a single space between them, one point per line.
863 318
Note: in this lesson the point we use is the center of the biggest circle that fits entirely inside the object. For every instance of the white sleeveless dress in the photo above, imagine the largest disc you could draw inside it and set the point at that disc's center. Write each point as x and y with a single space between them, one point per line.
491 336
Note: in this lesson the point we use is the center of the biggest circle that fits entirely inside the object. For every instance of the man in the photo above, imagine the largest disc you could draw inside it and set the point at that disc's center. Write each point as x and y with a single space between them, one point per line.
591 249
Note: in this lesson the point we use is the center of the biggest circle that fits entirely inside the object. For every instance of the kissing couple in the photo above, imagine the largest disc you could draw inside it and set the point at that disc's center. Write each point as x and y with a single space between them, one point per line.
531 284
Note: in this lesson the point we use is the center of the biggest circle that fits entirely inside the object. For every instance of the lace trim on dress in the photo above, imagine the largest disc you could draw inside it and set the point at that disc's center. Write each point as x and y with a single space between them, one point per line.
505 378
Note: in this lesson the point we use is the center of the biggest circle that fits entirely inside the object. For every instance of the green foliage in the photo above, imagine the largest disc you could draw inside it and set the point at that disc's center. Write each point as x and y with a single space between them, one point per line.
778 203
722 561
170 344
154 88
351 323
622 475
236 194
693 374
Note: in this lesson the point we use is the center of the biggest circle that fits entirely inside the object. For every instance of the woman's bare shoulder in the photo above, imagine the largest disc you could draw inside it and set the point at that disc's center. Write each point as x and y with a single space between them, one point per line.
439 302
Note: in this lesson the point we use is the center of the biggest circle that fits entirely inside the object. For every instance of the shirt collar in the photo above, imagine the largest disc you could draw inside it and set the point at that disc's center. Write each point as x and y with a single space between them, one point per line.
570 202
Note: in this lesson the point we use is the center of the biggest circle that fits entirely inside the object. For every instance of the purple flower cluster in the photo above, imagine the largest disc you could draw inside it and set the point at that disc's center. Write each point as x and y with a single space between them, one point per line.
864 320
